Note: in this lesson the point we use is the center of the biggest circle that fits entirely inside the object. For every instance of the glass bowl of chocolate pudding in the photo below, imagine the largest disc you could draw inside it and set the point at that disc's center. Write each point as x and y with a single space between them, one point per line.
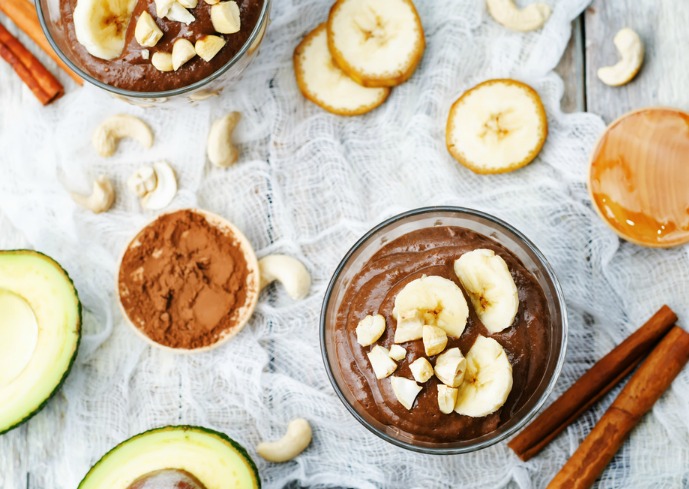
427 242
130 74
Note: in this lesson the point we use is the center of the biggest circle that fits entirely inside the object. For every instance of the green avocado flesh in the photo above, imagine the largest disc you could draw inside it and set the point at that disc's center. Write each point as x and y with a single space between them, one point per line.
190 457
40 328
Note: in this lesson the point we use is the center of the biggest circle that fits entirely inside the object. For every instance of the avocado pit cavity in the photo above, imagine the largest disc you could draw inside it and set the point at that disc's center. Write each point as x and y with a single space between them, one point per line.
167 479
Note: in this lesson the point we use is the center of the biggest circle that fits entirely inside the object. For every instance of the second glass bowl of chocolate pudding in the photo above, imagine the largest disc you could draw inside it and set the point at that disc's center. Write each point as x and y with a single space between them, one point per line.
443 330
152 50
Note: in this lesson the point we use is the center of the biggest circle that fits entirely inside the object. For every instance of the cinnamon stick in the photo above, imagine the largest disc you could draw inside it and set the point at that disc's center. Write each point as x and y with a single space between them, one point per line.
23 14
645 387
592 386
41 82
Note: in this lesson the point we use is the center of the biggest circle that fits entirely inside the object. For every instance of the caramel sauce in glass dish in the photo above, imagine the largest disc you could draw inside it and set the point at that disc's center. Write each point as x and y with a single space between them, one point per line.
639 177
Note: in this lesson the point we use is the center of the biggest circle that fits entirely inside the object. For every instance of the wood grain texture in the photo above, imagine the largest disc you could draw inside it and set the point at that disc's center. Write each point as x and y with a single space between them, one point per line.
664 74
571 69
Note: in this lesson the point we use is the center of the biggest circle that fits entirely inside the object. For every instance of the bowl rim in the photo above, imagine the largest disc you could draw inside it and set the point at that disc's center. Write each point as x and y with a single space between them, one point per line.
560 303
254 277
589 179
262 19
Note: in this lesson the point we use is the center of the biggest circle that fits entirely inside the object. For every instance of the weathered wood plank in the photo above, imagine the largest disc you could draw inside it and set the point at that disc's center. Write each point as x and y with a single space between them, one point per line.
664 77
571 69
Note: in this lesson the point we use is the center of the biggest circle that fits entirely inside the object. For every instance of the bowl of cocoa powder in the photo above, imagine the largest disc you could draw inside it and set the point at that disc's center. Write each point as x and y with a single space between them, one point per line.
188 281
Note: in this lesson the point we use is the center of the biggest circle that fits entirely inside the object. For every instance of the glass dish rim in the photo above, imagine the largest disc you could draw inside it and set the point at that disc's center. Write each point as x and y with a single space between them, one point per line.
165 93
561 354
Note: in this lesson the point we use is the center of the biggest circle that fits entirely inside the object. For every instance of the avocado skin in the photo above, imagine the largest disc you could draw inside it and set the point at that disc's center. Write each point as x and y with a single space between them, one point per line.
242 451
50 260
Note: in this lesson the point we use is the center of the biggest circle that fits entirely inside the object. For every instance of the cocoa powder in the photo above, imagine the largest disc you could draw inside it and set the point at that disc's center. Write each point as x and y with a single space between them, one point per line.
183 281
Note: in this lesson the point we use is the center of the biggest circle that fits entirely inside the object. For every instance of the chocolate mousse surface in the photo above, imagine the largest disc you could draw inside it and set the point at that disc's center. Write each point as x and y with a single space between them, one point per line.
132 72
373 289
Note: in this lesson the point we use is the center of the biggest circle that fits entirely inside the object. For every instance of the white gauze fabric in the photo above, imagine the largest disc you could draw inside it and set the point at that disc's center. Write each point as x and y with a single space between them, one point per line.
309 184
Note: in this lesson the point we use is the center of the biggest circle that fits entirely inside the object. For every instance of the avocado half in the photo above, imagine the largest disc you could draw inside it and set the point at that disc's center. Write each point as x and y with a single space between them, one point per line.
40 329
207 456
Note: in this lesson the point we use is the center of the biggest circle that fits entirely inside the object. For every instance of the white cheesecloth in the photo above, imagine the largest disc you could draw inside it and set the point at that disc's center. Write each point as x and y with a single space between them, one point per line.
309 184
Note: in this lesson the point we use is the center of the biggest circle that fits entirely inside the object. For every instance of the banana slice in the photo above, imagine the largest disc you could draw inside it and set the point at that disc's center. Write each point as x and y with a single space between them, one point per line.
405 391
326 85
488 379
491 288
378 43
437 300
496 127
101 25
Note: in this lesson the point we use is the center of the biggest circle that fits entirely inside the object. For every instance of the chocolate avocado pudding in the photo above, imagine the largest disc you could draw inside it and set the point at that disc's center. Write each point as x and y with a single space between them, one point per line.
442 348
134 66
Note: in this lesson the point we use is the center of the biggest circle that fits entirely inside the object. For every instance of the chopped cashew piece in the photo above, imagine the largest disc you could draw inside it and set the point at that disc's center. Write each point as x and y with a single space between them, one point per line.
447 397
221 151
102 196
225 17
529 18
421 370
212 2
370 329
397 353
163 7
405 391
156 185
290 272
147 32
450 367
295 441
188 3
177 13
208 46
108 134
409 327
162 61
631 49
383 366
434 340
182 51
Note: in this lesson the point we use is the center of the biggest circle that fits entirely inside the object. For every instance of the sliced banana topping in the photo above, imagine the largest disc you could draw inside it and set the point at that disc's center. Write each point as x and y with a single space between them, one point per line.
491 288
488 379
225 17
450 367
447 397
496 127
434 340
326 85
162 61
208 46
108 134
383 365
370 329
437 300
147 32
409 327
378 43
101 25
182 51
405 391
421 370
397 353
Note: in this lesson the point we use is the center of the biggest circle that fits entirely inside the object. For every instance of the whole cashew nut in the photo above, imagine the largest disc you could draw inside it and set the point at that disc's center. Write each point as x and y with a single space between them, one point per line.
221 151
529 18
101 199
631 50
108 134
156 185
295 441
290 272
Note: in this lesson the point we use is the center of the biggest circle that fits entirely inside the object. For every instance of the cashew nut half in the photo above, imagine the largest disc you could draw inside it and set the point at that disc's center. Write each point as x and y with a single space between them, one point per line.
221 151
631 49
156 185
108 134
290 272
101 199
529 18
295 441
